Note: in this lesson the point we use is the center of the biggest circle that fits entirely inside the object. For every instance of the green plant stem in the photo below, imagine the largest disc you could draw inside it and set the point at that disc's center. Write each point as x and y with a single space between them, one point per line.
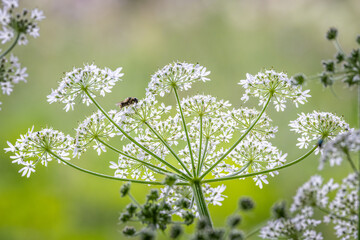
200 202
103 175
132 139
186 132
168 147
204 156
12 46
242 169
238 141
262 172
352 164
200 146
149 165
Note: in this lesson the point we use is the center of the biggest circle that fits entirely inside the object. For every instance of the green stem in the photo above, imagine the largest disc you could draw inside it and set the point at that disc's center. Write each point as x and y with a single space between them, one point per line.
204 155
168 147
238 141
132 139
103 175
186 132
262 172
352 164
200 146
149 165
200 202
242 169
12 46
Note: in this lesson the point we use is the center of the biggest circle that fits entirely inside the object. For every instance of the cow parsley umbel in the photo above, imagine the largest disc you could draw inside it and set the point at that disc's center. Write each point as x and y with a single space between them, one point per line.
184 141
15 27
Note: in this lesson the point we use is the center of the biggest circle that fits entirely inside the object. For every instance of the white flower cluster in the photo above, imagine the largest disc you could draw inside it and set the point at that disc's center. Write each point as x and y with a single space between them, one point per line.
18 26
259 156
299 227
340 209
11 73
317 125
278 85
95 127
39 147
176 75
84 82
335 150
344 208
24 23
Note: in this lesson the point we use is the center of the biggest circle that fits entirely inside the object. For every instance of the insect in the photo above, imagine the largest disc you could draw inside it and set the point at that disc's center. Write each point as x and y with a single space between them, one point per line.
320 143
127 102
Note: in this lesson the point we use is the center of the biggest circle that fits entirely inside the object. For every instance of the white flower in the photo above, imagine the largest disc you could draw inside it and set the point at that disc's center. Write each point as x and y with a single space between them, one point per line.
336 149
313 193
278 85
260 179
40 146
37 14
6 35
317 125
28 169
80 81
176 75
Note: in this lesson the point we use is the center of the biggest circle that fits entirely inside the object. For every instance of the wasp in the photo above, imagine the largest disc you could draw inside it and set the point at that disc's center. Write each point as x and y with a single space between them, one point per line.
127 102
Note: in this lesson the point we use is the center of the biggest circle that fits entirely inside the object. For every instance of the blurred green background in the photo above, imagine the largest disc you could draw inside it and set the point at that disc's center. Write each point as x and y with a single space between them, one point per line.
230 38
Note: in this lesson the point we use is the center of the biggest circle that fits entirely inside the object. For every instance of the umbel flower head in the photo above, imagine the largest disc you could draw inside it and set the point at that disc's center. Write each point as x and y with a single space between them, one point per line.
276 85
338 148
176 75
18 25
317 126
39 147
84 82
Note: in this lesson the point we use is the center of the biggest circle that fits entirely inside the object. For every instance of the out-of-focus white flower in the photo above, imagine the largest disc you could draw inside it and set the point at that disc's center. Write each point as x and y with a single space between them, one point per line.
336 149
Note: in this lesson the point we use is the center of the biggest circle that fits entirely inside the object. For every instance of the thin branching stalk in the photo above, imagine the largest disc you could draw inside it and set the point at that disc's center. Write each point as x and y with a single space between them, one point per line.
149 165
203 157
352 164
200 146
186 132
238 141
103 175
168 147
242 169
12 45
132 139
262 172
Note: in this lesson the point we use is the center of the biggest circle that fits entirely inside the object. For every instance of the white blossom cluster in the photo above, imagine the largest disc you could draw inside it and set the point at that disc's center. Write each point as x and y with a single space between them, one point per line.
11 73
16 26
335 150
300 227
24 23
93 128
186 139
35 147
317 125
279 85
176 75
82 82
338 203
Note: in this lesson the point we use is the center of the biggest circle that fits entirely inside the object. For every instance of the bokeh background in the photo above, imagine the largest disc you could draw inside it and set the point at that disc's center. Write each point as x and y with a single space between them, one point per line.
230 38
